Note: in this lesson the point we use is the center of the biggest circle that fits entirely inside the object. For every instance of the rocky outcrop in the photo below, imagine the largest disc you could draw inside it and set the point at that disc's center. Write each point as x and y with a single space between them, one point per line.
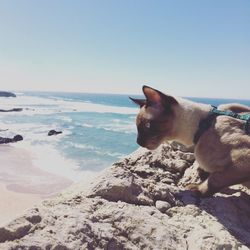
137 203
16 138
6 94
54 132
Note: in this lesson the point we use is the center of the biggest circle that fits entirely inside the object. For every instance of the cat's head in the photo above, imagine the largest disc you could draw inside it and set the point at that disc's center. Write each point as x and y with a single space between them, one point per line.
155 121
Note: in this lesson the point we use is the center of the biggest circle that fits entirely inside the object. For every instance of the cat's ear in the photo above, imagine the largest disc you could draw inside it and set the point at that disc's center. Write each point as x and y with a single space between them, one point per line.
154 96
140 102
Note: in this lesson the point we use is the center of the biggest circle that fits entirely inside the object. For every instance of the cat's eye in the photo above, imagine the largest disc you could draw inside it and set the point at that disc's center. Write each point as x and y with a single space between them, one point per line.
147 125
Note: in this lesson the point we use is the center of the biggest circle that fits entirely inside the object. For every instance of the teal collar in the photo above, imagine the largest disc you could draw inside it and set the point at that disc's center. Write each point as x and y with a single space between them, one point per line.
214 112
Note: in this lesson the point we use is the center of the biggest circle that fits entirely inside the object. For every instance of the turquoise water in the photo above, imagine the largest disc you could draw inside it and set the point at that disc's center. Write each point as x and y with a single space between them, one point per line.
98 129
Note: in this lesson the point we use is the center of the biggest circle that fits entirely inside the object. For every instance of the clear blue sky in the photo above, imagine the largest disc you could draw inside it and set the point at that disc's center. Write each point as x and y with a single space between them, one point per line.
187 48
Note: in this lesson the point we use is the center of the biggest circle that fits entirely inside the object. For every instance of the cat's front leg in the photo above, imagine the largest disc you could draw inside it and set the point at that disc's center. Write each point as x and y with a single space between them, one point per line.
219 180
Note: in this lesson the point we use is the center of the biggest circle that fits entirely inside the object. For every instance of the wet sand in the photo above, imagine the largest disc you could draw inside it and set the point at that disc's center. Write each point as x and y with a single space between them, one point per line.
22 184
13 204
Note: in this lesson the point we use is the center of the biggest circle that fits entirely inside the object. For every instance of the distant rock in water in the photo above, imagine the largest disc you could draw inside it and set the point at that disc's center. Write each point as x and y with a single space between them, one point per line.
16 138
11 110
6 94
54 132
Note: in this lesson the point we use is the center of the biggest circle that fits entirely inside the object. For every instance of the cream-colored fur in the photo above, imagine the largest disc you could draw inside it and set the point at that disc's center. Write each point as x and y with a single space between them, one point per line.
187 118
223 149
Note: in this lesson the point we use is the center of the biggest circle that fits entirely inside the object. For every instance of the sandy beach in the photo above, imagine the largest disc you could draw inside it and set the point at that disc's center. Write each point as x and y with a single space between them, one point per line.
13 204
22 184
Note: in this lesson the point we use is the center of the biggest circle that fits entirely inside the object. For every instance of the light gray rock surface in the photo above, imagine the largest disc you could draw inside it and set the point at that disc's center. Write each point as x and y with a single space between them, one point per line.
138 203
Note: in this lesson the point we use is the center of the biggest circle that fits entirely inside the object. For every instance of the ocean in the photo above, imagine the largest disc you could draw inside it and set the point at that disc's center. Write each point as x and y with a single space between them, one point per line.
98 129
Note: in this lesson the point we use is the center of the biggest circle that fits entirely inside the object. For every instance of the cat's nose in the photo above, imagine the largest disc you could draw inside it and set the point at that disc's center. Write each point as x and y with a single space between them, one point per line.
140 141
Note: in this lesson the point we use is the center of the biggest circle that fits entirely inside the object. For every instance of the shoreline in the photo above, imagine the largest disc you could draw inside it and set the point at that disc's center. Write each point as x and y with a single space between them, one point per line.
22 184
13 204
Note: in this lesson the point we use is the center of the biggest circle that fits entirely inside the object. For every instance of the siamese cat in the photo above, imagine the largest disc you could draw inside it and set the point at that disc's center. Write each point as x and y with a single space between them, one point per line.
222 149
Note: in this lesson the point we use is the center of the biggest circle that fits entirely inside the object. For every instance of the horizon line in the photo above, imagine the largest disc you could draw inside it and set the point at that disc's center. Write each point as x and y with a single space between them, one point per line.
115 93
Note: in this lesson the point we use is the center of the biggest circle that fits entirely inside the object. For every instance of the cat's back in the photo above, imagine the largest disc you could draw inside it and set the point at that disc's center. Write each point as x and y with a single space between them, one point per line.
224 143
231 131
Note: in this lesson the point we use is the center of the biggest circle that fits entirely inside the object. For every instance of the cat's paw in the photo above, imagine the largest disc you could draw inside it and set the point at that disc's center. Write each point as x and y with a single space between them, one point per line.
194 188
199 189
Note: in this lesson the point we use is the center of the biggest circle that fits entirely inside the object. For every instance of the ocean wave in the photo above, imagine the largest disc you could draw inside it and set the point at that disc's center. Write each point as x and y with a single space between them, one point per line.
132 117
98 108
97 150
48 158
65 118
33 105
34 133
115 125
86 125
124 129
41 114
118 125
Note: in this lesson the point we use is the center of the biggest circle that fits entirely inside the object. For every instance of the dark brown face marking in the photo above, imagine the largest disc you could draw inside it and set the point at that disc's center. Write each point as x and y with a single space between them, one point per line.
153 128
155 119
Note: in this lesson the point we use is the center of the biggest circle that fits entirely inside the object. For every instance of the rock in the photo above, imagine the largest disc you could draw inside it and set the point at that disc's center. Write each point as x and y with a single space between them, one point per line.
137 203
6 94
16 230
5 140
54 132
180 147
162 206
16 138
11 110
